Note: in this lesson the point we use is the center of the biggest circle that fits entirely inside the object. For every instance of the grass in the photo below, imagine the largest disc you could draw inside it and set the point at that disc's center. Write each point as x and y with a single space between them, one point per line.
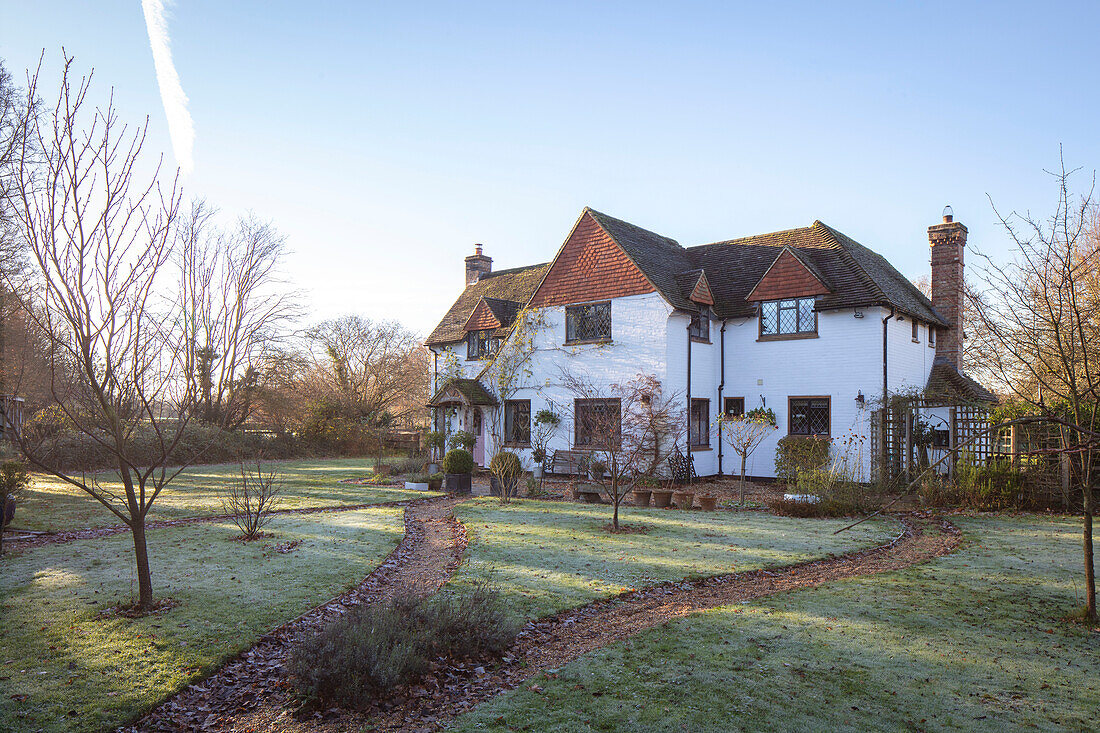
550 556
81 671
972 641
52 505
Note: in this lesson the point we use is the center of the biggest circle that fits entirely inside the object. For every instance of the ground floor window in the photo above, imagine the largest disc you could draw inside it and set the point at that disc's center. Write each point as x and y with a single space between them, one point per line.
735 406
699 426
517 422
596 423
809 416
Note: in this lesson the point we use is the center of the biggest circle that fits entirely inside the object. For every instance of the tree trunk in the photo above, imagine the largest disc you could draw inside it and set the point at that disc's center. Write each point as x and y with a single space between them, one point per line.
742 478
141 556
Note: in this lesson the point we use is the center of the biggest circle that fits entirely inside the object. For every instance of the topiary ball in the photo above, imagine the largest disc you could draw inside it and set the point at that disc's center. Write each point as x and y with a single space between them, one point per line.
458 460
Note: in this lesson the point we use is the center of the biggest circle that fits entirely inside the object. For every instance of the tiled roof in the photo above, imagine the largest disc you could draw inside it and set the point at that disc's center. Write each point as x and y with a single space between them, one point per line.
946 381
473 390
516 285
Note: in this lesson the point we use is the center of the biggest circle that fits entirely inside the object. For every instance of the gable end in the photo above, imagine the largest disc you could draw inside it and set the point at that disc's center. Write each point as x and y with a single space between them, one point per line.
787 277
482 318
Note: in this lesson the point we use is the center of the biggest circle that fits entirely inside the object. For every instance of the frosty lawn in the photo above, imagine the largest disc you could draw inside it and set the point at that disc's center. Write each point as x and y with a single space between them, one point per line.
80 672
549 556
971 641
50 504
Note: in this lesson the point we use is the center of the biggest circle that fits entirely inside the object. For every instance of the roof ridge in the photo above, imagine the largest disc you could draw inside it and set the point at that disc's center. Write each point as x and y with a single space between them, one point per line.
510 270
735 240
831 234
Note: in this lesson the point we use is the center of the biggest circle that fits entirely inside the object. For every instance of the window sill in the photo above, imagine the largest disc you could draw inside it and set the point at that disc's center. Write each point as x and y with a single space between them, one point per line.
587 341
808 435
696 448
787 336
700 340
517 445
916 341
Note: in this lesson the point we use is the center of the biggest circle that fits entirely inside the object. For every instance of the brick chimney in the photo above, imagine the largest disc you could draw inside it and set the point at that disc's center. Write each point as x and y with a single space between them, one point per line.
477 265
948 240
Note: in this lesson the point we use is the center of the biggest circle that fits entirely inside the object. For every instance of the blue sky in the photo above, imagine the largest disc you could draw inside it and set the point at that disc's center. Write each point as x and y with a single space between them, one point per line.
385 139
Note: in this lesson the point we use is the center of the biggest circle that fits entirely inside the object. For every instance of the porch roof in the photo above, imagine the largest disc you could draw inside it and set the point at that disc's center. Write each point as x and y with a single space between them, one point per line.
462 392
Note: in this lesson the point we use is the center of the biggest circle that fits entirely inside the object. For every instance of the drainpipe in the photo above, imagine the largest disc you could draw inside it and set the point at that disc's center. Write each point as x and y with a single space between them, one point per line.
885 385
885 321
721 386
435 383
688 332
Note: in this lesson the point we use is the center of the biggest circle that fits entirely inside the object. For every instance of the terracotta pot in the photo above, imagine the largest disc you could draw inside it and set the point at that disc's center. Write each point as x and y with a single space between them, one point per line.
684 499
708 503
641 497
662 499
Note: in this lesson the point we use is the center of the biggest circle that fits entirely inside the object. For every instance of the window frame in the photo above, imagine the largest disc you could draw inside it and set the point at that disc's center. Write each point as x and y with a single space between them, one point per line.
509 424
571 313
931 336
586 403
810 398
480 344
726 406
779 306
699 327
704 404
916 331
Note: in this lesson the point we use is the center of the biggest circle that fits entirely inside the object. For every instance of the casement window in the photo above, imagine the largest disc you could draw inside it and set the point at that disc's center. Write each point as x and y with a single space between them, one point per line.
931 336
788 317
517 422
480 344
808 416
699 424
596 423
735 406
916 331
588 322
700 325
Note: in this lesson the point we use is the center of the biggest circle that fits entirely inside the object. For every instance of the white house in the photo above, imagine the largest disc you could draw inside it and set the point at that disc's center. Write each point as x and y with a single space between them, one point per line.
806 322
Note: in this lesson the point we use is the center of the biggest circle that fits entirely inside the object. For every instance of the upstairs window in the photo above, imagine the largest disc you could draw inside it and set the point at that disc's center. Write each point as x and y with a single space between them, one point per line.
699 425
916 331
480 344
931 336
589 322
735 406
809 416
788 317
596 423
700 325
517 422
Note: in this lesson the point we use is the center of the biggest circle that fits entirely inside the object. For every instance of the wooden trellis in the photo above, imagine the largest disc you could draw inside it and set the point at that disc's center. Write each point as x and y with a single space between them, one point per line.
900 448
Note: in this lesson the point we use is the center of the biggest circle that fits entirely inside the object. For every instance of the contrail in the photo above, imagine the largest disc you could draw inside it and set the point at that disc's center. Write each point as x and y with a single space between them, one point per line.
180 127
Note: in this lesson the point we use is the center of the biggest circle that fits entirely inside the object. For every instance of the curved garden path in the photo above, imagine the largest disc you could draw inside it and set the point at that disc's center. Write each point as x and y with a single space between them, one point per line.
255 680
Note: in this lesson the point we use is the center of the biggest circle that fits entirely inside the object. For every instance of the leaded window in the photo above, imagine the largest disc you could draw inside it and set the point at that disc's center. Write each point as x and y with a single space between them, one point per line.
792 316
517 422
700 324
480 344
809 416
735 406
588 322
596 423
699 425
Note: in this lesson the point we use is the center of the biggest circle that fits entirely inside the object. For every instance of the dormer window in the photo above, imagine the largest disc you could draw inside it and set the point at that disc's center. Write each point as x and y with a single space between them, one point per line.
480 344
589 322
790 317
700 324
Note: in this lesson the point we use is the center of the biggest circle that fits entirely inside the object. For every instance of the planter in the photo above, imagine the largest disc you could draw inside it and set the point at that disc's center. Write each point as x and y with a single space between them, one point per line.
537 471
662 499
708 503
590 497
684 499
458 483
495 486
416 486
641 497
807 498
435 484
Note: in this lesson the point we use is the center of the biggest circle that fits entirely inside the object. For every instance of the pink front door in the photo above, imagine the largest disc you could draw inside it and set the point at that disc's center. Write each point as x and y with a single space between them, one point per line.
479 444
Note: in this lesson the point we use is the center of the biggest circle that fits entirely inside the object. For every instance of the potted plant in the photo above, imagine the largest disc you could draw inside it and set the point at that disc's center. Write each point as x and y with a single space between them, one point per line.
662 498
436 441
538 455
505 470
545 423
462 439
708 503
435 481
457 466
684 499
417 482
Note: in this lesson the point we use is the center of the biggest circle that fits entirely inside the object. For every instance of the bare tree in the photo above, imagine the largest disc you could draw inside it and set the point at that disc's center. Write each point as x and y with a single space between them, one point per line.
1040 331
236 309
743 433
102 239
628 424
250 501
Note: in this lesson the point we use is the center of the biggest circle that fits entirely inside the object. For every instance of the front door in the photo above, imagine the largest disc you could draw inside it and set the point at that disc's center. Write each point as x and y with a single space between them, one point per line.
479 444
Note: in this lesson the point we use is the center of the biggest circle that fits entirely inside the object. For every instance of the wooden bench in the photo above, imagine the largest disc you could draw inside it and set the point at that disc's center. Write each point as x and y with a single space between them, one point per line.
568 462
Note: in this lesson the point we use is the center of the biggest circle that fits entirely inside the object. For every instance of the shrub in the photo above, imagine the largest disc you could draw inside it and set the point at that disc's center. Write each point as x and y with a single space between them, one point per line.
373 649
250 500
505 464
463 439
796 453
418 478
412 464
458 460
839 495
436 441
990 487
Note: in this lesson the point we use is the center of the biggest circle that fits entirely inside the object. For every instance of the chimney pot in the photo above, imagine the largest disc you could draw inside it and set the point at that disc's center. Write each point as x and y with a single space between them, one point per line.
948 214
